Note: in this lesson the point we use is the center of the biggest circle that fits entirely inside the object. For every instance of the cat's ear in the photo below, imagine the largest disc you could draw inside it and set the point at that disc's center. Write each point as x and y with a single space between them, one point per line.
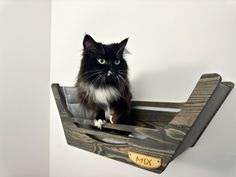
89 44
121 47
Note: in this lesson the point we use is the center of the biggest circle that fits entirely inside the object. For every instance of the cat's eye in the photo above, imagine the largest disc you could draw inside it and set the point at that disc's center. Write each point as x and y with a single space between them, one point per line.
117 62
102 61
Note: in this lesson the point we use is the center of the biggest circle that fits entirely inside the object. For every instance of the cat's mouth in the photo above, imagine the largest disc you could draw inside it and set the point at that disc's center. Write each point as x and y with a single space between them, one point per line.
110 78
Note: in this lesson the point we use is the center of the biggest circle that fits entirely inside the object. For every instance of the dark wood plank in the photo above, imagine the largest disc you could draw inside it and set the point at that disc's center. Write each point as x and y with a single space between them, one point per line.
157 104
197 100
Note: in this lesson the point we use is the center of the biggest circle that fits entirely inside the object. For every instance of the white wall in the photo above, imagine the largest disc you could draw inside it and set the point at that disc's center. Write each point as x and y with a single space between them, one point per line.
24 88
172 44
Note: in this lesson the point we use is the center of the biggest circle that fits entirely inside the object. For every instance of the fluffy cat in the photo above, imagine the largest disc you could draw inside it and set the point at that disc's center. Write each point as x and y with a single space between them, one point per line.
102 83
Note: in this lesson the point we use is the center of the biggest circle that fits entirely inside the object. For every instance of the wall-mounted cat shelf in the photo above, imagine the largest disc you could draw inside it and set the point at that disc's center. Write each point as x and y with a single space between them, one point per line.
157 136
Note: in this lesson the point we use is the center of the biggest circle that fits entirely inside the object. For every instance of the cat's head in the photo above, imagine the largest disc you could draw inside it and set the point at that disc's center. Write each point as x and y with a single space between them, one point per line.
102 64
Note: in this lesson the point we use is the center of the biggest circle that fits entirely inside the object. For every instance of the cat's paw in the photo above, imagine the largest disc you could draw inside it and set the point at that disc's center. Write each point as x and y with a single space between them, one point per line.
98 123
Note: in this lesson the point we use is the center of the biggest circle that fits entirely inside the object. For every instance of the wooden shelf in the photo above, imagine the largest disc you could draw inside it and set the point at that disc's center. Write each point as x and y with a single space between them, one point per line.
156 137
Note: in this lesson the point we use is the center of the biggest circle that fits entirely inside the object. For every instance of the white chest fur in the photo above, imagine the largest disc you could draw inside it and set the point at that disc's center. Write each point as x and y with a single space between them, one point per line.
100 95
105 95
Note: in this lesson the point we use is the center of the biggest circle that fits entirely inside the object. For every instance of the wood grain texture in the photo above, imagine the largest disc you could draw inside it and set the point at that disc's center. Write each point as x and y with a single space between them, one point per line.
157 104
158 134
197 100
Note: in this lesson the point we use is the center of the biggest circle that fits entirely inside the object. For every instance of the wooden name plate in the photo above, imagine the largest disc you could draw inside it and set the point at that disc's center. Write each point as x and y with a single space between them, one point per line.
145 161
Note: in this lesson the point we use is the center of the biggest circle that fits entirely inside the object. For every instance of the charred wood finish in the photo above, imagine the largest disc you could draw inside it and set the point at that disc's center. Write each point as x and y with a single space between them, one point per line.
162 135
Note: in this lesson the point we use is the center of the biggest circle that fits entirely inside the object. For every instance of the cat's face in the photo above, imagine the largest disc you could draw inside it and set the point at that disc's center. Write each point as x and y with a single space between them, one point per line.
103 65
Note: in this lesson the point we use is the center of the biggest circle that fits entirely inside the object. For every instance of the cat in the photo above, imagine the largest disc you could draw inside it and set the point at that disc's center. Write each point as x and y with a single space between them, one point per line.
102 84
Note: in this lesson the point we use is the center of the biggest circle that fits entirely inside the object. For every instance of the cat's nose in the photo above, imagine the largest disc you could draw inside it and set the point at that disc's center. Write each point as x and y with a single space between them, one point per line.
109 73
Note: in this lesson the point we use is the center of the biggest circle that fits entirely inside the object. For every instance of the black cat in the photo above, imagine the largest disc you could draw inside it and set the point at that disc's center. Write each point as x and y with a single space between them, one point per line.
103 85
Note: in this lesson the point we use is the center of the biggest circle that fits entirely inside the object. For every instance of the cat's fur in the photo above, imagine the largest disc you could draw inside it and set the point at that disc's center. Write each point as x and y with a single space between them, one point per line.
103 89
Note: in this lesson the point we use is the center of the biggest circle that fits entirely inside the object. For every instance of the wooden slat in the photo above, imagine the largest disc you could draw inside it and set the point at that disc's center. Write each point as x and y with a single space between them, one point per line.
157 104
197 100
149 115
120 127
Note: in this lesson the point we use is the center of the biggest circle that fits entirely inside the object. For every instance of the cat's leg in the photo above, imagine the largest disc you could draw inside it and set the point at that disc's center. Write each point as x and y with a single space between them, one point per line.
120 117
109 114
99 119
114 117
121 113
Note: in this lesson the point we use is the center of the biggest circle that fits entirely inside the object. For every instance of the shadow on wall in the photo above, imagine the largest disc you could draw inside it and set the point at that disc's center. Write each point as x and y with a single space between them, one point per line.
173 84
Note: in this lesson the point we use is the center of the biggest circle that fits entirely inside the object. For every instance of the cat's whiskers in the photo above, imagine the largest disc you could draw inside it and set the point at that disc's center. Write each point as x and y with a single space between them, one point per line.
85 78
123 80
122 72
94 81
88 72
99 80
121 84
